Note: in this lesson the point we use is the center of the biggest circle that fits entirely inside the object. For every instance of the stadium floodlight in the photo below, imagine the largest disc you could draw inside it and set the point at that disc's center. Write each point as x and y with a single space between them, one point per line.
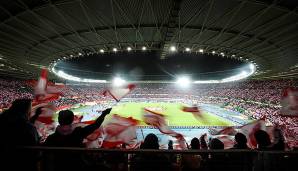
233 55
213 52
201 50
115 49
183 81
240 57
222 54
64 57
117 81
101 51
187 49
71 56
144 48
80 54
128 49
66 76
173 49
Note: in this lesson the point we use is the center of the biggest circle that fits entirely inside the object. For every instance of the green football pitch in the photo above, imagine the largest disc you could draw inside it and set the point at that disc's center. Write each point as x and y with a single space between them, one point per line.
174 115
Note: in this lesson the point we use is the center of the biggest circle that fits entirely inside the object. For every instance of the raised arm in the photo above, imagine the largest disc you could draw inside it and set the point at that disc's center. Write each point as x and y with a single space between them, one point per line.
38 111
87 130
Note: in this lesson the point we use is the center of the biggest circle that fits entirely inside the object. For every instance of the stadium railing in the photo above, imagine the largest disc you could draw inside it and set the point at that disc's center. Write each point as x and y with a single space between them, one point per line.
122 159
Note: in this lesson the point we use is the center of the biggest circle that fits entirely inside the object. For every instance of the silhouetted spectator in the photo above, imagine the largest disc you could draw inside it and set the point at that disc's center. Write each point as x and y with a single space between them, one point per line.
278 141
216 144
16 130
170 145
203 142
151 161
263 140
195 144
192 161
241 141
67 135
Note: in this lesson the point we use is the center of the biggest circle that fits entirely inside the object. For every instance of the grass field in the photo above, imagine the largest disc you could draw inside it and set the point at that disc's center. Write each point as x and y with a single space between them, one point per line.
174 115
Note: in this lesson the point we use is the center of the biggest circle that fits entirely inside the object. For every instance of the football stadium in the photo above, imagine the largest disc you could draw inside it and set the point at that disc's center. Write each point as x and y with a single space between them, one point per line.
133 85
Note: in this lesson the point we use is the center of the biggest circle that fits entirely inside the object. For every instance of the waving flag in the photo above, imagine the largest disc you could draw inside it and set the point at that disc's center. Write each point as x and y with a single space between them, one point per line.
45 91
158 120
226 131
289 102
119 130
118 93
194 110
250 129
48 110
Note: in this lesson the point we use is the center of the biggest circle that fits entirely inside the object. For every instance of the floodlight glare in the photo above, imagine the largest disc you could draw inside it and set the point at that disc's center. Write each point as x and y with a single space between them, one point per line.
187 49
101 51
71 55
213 52
144 48
128 49
80 54
173 49
201 50
117 81
115 49
183 81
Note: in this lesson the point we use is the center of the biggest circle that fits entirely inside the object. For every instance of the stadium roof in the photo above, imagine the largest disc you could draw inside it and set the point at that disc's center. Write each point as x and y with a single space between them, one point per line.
35 33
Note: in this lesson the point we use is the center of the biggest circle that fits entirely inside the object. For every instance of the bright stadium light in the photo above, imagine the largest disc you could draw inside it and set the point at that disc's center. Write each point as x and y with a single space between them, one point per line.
213 52
187 49
115 49
71 56
233 55
183 81
144 48
80 54
117 81
128 49
101 51
66 76
222 54
173 49
201 50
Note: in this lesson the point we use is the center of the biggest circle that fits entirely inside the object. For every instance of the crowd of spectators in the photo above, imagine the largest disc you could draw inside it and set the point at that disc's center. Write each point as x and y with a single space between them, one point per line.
256 99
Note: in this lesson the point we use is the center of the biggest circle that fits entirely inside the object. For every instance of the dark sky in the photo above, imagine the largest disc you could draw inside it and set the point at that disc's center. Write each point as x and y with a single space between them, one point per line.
141 65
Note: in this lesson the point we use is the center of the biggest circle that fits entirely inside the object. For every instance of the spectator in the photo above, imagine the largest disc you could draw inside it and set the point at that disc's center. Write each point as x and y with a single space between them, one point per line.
170 145
216 144
241 141
67 135
191 161
148 161
278 143
263 140
16 130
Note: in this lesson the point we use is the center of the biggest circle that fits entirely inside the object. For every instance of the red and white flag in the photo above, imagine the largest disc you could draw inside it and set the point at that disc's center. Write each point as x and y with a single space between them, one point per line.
45 91
194 110
158 120
119 130
118 93
46 116
250 129
289 102
227 140
226 131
